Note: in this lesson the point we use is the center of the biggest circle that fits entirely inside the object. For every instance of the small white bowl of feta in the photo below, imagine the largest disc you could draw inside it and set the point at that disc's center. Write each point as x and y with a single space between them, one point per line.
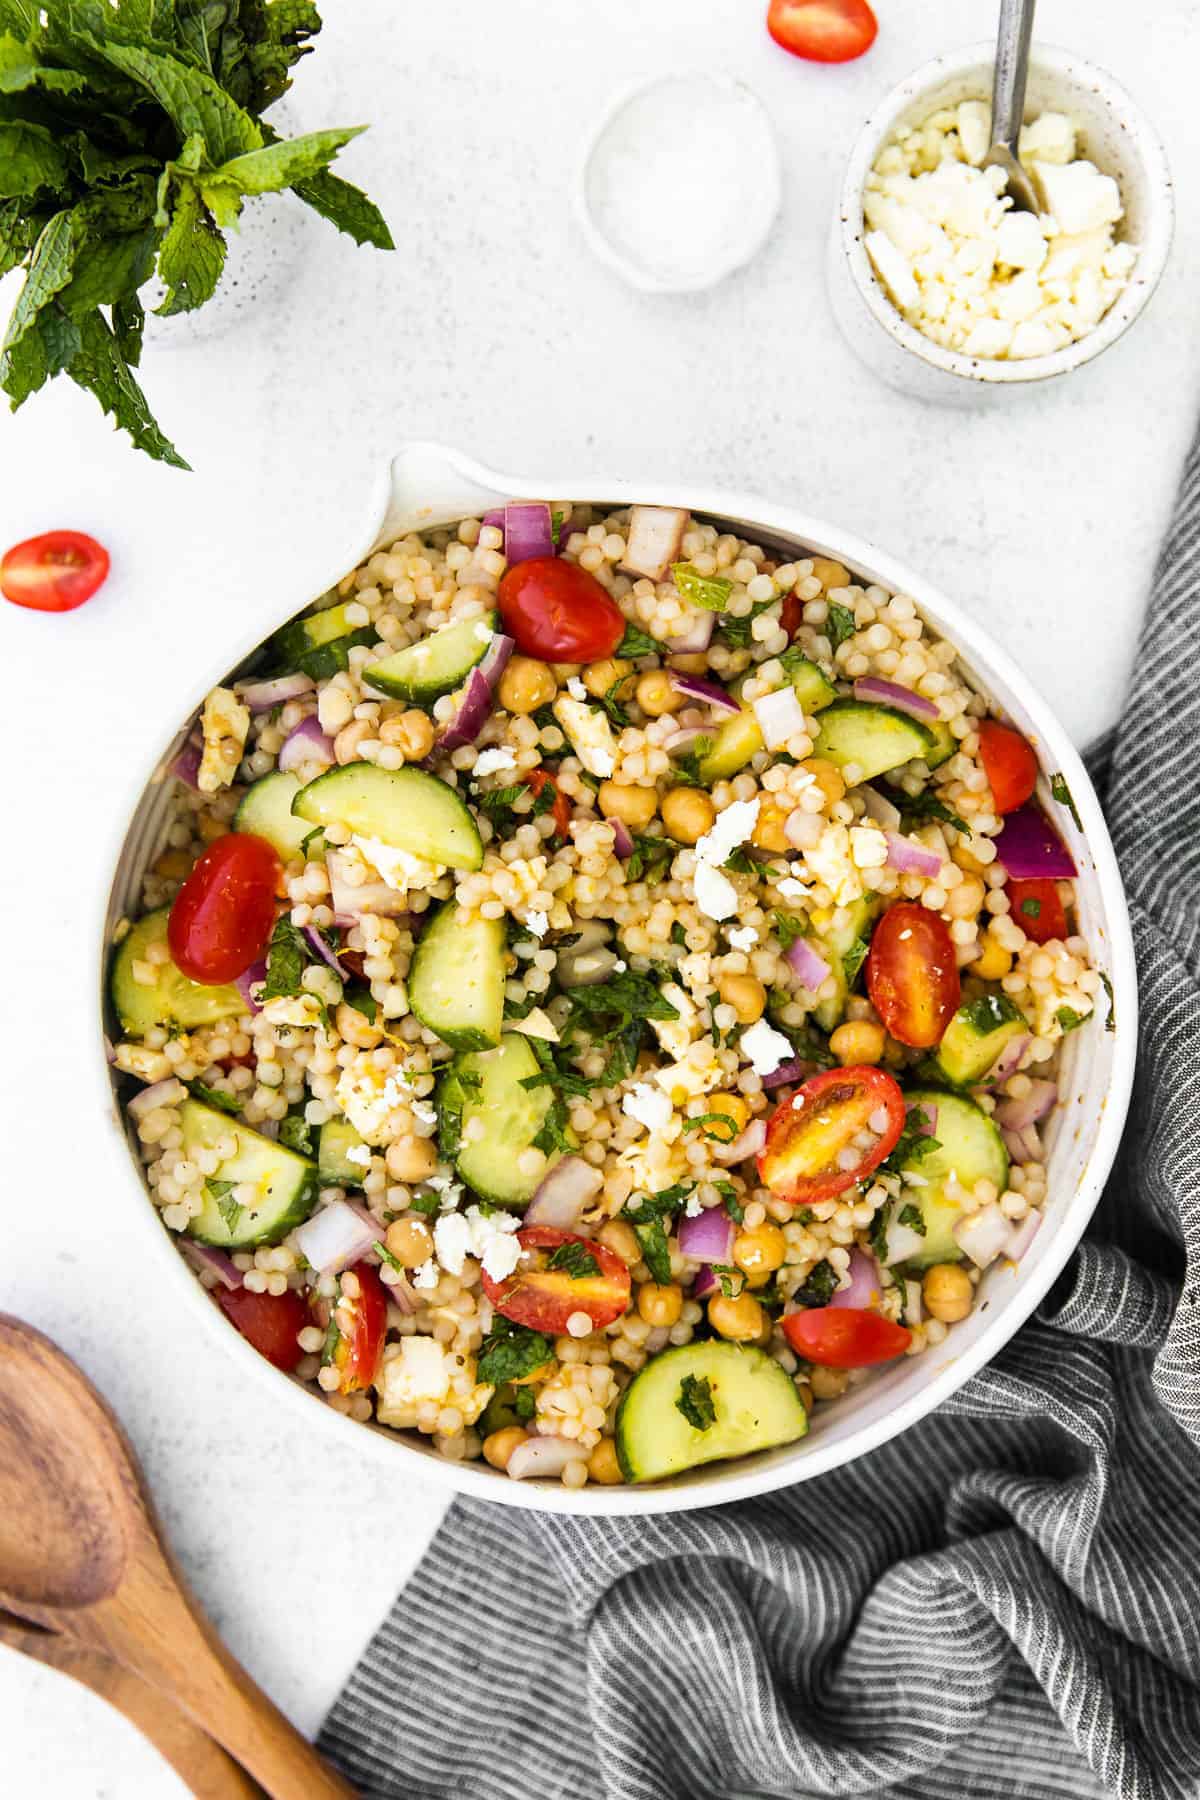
944 288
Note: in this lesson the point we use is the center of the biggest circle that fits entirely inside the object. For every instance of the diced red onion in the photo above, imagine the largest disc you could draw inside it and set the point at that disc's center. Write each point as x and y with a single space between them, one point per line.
708 1237
806 964
350 902
1022 1235
474 710
317 943
305 744
1008 1061
1024 1145
204 1256
803 829
495 518
370 1222
160 1093
401 1292
865 1289
494 660
655 534
543 1456
682 740
787 1074
910 858
528 531
1029 847
877 806
696 638
252 978
186 766
780 717
563 1194
261 696
1015 1115
706 1282
889 693
710 693
623 843
336 1236
747 1143
982 1235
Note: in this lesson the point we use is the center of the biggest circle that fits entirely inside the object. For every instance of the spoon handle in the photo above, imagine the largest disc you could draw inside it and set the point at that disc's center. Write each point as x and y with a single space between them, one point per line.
1012 68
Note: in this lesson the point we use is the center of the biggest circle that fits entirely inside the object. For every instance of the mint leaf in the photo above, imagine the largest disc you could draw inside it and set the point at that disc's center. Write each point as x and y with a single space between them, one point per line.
839 625
575 1260
511 1352
820 1286
918 809
1110 1024
282 164
295 1132
30 160
287 960
99 367
49 271
708 591
347 207
695 1402
1069 1019
912 1216
191 255
720 1126
215 1097
854 959
191 98
736 632
637 643
1064 796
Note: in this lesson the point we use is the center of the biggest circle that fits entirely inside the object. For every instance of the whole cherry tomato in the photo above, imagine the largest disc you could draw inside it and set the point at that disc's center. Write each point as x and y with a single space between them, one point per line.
55 572
844 1337
361 1321
808 1135
270 1322
912 974
539 779
1037 908
578 1275
829 31
558 612
1009 764
224 913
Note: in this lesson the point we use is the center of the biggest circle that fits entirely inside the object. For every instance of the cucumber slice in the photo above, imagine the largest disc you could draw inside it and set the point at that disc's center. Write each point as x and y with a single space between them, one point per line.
837 946
436 665
334 1167
286 1183
874 738
975 1037
753 1397
945 745
318 644
456 983
735 742
498 1118
969 1147
173 1000
406 808
813 691
266 810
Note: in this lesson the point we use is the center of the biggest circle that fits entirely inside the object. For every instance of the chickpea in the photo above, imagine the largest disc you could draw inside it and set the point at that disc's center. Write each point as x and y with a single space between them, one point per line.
830 574
687 814
947 1292
410 1242
634 806
525 685
993 962
761 1251
603 1465
411 1159
746 995
621 1238
827 1384
768 831
211 828
412 732
690 662
355 1028
741 1319
827 778
657 694
348 739
660 1305
857 1042
174 865
731 1106
599 677
499 1445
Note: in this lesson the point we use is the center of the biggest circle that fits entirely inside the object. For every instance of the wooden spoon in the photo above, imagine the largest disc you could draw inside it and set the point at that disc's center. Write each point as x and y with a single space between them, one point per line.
82 1553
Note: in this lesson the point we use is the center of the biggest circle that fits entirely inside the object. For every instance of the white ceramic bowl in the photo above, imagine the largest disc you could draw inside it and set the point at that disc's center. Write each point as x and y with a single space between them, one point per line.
426 486
1114 133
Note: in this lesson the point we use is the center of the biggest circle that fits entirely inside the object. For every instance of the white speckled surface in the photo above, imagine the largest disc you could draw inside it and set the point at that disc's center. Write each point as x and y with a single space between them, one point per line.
492 328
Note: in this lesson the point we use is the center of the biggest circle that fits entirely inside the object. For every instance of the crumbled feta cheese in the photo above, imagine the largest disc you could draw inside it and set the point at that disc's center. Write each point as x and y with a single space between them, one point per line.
764 1048
576 688
423 1113
359 1155
694 1208
452 1240
223 726
676 1034
829 861
691 1077
422 1371
1078 195
1020 241
893 270
368 1098
973 119
791 889
449 1190
743 938
294 1009
780 717
590 734
716 896
732 827
1048 139
868 847
426 1277
495 758
538 923
651 1109
398 869
486 1236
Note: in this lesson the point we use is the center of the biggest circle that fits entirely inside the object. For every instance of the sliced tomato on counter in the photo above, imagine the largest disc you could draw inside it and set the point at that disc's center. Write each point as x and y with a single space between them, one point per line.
557 611
844 1337
590 1279
55 572
1009 764
361 1321
1037 908
912 974
537 781
223 915
831 1134
829 31
271 1322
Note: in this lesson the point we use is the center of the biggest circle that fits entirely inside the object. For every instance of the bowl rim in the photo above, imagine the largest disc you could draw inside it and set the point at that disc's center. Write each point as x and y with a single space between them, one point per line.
730 1482
1153 250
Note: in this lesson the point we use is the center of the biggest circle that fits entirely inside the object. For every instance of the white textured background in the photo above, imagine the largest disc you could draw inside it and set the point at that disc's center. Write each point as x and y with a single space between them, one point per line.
490 328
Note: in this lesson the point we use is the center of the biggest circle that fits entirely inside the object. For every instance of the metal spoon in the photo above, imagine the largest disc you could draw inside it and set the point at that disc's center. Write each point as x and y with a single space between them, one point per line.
1008 101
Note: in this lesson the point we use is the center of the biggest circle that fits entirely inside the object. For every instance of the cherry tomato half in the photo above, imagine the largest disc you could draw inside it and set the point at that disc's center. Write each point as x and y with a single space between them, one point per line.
1009 764
268 1321
539 779
361 1320
844 1337
558 612
544 1298
224 913
55 572
1037 908
808 1135
829 31
912 974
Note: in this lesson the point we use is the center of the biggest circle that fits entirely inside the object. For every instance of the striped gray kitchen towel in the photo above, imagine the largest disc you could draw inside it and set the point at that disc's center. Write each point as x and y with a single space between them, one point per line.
1001 1604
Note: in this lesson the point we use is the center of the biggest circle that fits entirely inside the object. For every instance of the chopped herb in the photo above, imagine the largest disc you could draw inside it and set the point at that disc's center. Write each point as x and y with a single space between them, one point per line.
611 706
386 1256
854 959
575 1261
524 1403
709 591
878 1233
695 1402
287 959
232 1213
678 934
426 1204
989 1012
1110 1024
333 1338
914 1144
721 1039
919 809
740 862
219 1189
497 805
736 632
510 1352
451 1098
788 927
209 1096
686 772
636 644
615 1012
647 1221
840 625
1064 796
732 1204
520 1009
555 1133
820 1286
363 1001
1069 1019
912 1216
708 1123
295 1132
1031 908
731 1280
557 521
652 857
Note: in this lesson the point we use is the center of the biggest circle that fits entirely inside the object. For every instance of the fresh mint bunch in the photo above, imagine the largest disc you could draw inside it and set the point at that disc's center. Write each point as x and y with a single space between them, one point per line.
131 134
